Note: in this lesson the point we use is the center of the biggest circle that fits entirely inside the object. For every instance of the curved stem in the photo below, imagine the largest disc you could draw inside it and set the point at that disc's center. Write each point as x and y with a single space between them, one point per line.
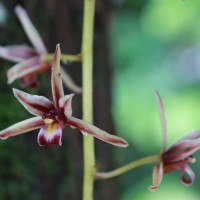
64 57
87 72
128 167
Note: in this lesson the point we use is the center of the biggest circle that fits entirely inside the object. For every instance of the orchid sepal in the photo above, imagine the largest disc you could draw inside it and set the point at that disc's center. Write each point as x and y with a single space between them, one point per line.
34 104
26 67
22 127
17 53
87 128
66 104
30 30
56 79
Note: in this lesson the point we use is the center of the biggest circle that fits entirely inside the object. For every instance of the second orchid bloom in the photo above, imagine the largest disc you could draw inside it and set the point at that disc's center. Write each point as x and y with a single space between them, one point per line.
51 117
177 156
30 61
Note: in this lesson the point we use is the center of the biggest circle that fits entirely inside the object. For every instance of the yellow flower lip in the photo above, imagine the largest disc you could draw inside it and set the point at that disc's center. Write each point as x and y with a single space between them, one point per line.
48 121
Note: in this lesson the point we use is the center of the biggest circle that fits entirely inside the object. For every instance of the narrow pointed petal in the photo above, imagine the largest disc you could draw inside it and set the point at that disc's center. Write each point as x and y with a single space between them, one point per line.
69 83
157 176
189 180
36 105
87 128
66 104
163 121
181 150
30 30
17 53
56 80
23 68
22 127
50 134
192 135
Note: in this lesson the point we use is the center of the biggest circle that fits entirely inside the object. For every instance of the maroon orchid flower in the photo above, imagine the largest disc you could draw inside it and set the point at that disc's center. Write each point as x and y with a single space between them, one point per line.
177 156
51 117
30 60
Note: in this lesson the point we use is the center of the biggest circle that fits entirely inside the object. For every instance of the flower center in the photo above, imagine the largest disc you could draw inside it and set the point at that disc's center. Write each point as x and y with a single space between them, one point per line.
53 116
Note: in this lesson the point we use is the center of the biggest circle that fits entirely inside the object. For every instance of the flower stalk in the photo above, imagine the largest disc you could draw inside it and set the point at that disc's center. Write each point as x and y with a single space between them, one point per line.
64 57
128 167
87 72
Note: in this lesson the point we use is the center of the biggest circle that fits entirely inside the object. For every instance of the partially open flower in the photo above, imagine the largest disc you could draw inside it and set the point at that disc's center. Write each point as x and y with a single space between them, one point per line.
177 156
51 117
29 60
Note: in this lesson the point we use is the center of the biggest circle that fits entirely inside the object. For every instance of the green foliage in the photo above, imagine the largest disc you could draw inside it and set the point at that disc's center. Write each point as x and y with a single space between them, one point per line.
146 49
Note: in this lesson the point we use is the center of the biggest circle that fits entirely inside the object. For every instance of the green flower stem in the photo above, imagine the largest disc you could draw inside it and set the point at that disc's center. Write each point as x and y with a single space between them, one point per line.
64 57
128 167
87 72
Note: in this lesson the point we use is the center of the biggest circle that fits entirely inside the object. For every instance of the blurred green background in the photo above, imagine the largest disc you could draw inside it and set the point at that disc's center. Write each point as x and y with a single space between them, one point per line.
151 45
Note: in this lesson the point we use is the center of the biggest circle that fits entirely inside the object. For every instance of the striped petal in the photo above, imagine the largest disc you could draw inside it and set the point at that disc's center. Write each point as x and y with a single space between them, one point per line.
50 134
182 150
17 53
66 104
157 176
88 129
56 79
26 67
30 30
22 127
36 105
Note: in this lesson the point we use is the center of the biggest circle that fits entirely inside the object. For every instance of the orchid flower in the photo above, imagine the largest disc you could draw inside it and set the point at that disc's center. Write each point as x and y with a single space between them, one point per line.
30 60
177 156
51 117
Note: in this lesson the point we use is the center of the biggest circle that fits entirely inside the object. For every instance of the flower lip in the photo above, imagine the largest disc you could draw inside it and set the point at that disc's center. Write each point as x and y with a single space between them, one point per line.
50 134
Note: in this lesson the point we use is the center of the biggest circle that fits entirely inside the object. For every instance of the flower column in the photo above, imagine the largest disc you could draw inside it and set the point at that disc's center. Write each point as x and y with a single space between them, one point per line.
87 65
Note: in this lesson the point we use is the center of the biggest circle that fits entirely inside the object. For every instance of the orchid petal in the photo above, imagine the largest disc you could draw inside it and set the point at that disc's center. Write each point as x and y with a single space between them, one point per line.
29 80
67 80
17 53
30 30
192 135
157 176
66 104
50 134
163 121
56 80
26 67
22 127
36 105
181 150
87 128
189 180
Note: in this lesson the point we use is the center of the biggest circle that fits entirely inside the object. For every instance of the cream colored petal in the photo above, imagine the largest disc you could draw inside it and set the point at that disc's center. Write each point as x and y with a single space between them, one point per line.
22 127
89 129
36 105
